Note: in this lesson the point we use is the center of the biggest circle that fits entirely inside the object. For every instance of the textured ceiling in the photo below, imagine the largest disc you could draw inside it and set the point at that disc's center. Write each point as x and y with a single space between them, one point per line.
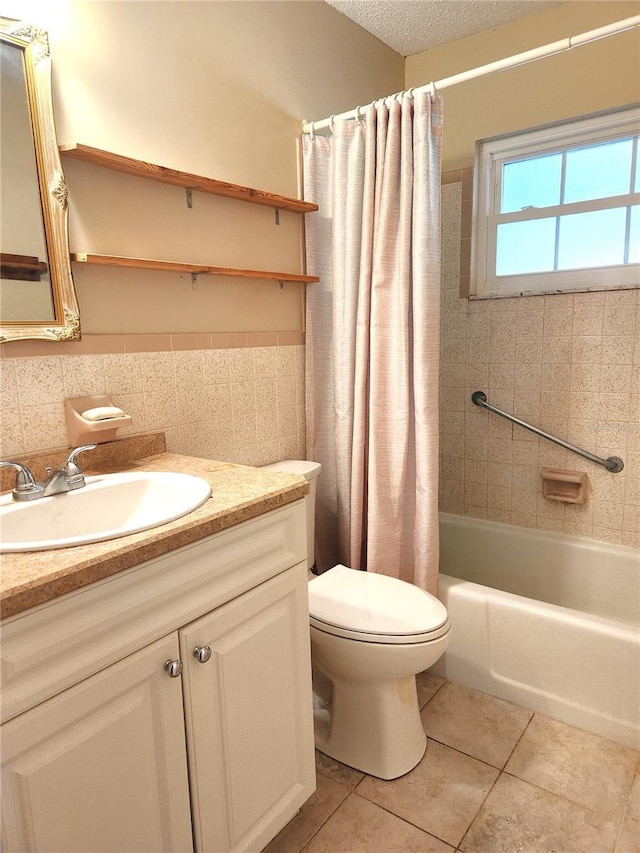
411 26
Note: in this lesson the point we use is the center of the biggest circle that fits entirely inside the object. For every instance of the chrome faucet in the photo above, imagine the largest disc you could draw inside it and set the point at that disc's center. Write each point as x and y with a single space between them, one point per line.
25 488
67 478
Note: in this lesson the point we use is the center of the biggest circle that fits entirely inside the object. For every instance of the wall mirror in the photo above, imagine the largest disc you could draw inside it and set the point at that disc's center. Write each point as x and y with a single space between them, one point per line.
37 295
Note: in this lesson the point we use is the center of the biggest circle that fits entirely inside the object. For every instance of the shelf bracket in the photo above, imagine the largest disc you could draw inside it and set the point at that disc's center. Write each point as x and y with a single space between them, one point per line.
189 192
276 213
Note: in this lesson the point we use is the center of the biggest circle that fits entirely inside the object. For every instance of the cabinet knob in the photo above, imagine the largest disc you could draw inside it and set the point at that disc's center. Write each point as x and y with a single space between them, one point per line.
202 653
173 667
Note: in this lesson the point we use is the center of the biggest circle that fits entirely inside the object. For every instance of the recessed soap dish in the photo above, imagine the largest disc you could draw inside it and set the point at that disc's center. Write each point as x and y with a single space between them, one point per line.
84 430
569 487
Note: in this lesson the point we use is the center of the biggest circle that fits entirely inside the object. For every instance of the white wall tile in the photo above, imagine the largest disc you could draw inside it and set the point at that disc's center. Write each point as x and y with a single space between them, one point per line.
11 438
122 373
83 375
39 380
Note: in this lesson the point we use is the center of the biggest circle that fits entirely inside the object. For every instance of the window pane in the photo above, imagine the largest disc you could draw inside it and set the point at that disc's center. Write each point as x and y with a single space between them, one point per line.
524 247
634 236
598 171
593 239
531 183
636 185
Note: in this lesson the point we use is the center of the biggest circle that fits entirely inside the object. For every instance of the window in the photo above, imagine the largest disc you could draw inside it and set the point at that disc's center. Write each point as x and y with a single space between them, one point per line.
557 208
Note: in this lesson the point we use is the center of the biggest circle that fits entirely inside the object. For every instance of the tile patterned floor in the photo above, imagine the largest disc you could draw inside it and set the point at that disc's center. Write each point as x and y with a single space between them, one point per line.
495 778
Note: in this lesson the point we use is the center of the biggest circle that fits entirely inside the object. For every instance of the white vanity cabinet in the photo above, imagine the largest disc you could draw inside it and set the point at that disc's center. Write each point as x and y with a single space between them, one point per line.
247 722
102 766
107 746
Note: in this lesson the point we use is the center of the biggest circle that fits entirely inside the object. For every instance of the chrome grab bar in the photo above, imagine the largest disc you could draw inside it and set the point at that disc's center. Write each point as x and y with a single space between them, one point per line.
613 463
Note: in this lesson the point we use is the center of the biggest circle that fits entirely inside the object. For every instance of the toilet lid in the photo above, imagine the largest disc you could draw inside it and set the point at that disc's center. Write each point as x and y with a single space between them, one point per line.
374 608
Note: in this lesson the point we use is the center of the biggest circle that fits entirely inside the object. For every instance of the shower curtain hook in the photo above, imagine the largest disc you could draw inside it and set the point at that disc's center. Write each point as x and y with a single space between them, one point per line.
410 92
312 131
331 118
359 115
432 87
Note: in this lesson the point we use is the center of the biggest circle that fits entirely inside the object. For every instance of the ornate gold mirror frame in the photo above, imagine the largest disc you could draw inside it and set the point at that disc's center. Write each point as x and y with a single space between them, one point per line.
53 191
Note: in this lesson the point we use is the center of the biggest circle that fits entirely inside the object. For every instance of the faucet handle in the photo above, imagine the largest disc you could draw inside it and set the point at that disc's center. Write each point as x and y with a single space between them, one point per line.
73 472
26 488
73 456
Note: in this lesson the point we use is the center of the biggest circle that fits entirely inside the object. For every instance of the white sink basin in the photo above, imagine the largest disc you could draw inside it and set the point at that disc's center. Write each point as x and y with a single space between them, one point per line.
109 506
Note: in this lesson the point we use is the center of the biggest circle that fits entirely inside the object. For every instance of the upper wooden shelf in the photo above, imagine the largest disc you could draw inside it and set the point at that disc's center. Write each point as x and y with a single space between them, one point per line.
140 169
193 269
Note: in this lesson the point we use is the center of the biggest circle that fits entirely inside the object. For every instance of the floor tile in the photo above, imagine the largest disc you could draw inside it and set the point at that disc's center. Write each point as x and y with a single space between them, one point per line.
360 826
427 684
341 773
575 764
441 795
517 816
563 789
312 815
629 838
475 723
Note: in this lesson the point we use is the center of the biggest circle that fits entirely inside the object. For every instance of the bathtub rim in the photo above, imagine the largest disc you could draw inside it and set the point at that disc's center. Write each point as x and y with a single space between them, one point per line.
535 533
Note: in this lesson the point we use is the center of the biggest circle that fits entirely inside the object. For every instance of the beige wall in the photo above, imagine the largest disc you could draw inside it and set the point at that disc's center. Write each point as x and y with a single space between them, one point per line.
593 77
214 88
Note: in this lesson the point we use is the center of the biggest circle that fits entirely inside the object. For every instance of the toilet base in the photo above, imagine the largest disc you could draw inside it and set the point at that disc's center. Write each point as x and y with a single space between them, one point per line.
374 727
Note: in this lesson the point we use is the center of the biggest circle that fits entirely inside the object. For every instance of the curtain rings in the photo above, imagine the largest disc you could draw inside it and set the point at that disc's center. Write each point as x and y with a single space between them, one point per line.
312 131
331 119
432 89
359 115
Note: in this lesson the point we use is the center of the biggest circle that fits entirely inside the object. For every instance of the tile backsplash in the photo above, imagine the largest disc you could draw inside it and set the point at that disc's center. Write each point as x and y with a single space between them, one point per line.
243 405
567 363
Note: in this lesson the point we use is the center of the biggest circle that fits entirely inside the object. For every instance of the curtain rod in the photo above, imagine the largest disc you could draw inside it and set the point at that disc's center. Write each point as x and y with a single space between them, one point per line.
500 65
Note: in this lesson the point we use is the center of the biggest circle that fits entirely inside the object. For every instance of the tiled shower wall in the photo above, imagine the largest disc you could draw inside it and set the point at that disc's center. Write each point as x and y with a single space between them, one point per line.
568 363
243 405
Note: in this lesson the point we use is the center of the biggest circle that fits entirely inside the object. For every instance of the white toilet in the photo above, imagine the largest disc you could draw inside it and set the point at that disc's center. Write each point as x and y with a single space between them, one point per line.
370 635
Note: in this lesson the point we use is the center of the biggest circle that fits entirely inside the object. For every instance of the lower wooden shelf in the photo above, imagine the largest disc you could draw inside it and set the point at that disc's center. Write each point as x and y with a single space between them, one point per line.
192 269
22 267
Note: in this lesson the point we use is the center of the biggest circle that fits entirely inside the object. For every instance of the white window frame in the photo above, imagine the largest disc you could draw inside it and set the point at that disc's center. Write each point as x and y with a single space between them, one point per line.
491 154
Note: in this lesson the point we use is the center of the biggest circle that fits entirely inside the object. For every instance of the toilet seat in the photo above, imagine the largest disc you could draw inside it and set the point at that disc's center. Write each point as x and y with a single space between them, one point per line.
374 608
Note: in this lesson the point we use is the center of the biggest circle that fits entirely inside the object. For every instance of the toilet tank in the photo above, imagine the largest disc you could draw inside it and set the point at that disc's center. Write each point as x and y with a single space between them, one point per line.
310 471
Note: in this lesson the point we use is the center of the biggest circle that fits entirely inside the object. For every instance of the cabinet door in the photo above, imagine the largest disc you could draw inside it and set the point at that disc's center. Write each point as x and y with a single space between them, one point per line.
249 715
102 766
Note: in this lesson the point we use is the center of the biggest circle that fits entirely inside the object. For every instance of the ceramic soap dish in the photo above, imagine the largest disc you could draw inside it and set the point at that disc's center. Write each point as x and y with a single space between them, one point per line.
93 420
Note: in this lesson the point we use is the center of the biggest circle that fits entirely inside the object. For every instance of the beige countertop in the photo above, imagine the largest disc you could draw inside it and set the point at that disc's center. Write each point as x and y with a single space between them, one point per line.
238 494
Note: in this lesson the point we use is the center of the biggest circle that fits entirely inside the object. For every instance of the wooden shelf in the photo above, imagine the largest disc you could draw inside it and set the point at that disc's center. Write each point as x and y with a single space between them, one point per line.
140 169
22 267
193 269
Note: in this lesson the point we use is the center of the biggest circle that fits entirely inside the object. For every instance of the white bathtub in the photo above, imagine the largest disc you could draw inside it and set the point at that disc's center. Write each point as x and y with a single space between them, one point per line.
545 620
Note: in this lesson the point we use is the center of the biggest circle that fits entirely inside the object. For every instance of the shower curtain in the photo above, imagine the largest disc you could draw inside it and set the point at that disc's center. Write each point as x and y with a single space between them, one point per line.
372 336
